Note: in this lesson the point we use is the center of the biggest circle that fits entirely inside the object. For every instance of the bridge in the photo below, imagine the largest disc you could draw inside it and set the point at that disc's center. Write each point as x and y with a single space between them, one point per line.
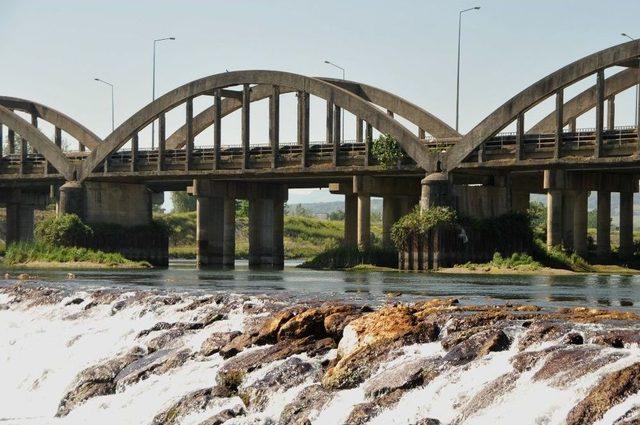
484 172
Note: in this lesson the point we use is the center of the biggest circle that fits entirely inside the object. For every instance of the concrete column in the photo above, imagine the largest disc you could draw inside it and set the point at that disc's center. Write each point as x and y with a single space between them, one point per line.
364 221
71 199
274 125
599 113
611 113
580 223
209 231
229 233
350 220
626 225
390 214
603 238
20 221
567 218
161 141
520 137
266 228
188 148
368 141
559 123
554 217
435 191
519 201
245 128
217 128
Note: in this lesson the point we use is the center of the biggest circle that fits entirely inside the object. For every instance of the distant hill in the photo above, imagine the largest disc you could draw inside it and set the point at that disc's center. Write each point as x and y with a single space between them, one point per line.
316 208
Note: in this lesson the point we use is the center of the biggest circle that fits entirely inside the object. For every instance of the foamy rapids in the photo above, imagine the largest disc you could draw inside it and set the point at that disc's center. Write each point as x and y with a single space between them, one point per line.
103 356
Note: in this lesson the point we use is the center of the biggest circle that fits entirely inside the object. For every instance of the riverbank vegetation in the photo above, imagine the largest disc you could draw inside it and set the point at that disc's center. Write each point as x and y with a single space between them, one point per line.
345 257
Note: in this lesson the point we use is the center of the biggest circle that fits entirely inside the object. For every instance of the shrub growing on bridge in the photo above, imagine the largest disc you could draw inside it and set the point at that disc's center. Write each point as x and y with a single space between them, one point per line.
387 151
65 230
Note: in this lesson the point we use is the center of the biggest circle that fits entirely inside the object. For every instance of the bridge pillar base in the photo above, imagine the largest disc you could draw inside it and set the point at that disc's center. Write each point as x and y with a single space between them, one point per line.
350 219
580 223
210 231
71 199
626 225
266 226
435 191
20 221
603 231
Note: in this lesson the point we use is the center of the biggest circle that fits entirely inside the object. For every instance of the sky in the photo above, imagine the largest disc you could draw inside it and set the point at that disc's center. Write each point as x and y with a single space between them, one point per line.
51 51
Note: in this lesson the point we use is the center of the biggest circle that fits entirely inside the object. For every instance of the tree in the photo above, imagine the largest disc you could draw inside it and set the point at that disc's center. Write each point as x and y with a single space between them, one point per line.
387 151
183 202
336 215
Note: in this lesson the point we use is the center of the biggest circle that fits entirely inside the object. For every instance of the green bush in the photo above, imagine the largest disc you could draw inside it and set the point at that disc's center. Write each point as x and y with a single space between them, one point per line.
64 230
27 252
418 222
343 257
386 151
517 261
556 258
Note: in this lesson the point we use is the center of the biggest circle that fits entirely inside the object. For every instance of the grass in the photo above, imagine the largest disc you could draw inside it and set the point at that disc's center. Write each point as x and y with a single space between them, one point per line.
517 262
24 253
342 257
558 259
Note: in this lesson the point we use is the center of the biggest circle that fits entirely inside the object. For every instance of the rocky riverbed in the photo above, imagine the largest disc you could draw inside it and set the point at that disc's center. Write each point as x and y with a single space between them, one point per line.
147 356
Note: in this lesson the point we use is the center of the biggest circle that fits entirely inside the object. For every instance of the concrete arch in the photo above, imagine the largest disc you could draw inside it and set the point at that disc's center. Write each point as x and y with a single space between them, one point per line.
399 106
536 93
342 98
79 132
39 141
586 100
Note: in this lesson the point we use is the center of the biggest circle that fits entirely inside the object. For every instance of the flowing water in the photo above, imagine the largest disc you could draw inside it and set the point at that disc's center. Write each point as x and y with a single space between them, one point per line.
44 347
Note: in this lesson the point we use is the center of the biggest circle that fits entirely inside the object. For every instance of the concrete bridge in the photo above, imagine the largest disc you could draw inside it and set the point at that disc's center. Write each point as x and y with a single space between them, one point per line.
482 173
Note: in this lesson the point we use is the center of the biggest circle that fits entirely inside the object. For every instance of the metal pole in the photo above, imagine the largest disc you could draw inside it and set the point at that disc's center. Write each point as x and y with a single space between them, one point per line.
112 103
153 87
458 72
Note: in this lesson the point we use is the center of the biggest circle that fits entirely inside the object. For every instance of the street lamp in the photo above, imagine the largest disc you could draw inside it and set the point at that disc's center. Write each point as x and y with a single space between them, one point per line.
112 105
458 80
153 89
342 118
624 34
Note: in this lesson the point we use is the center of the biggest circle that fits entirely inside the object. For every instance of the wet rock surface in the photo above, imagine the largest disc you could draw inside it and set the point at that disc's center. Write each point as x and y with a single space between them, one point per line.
288 362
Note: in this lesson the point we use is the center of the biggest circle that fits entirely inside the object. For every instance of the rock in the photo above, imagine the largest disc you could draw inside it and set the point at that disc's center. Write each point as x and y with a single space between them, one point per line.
156 363
216 342
71 276
525 361
290 373
23 276
595 315
169 339
612 389
390 323
563 367
237 344
74 301
573 338
428 421
196 400
96 381
335 323
618 338
232 372
362 413
202 323
408 374
268 333
359 365
542 331
488 395
311 399
477 346
311 322
631 417
225 415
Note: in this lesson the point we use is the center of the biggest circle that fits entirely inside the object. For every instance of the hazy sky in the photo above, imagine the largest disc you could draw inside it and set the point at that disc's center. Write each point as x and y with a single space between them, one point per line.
50 51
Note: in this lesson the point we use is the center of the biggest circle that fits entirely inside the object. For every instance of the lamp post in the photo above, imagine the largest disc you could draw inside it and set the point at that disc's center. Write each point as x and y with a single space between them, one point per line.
458 79
112 104
624 34
342 117
153 88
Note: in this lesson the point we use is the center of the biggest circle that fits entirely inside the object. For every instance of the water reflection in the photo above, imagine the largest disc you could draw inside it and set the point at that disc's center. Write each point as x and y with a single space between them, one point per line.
619 291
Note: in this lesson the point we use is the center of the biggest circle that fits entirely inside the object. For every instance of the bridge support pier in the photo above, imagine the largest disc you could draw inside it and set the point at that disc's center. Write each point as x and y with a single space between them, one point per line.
266 227
364 220
435 191
580 223
20 221
626 225
603 231
350 219
210 222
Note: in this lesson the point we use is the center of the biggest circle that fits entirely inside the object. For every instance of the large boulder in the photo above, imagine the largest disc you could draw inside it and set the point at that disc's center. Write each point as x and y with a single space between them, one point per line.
189 403
612 389
95 381
156 363
216 341
310 400
477 346
408 374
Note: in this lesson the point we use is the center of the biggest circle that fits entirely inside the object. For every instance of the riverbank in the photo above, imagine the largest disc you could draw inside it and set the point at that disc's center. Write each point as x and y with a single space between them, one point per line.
150 356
